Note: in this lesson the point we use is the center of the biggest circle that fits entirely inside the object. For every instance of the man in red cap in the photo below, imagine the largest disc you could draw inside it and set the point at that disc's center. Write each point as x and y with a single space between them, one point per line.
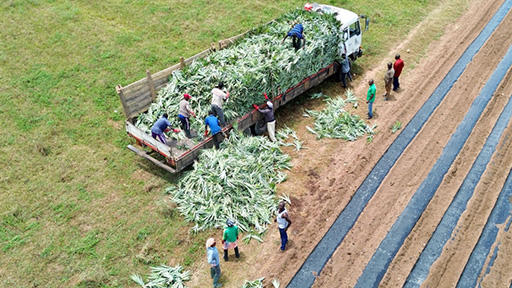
184 114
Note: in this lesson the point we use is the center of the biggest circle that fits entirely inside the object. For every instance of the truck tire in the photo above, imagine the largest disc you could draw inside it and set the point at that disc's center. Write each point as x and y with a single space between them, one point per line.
260 127
248 131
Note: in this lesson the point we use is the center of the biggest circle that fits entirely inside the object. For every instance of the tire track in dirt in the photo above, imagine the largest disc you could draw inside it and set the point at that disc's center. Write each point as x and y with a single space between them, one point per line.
355 249
465 192
411 249
394 239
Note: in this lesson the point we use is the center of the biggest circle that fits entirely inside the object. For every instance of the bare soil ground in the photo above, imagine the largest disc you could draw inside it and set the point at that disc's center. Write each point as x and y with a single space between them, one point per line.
327 174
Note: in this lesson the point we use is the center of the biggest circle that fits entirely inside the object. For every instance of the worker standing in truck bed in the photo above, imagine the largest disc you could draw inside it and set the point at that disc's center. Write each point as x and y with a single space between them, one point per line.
297 34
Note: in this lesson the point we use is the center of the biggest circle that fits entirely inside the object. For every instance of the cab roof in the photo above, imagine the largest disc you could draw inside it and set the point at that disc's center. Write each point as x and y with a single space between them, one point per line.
346 17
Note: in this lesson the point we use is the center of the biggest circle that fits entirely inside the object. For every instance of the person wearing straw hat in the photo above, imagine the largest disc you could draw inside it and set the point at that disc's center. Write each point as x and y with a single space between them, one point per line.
229 239
184 114
213 259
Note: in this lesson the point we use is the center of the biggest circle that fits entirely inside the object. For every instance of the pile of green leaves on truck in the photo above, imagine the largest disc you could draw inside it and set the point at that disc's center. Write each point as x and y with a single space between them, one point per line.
257 63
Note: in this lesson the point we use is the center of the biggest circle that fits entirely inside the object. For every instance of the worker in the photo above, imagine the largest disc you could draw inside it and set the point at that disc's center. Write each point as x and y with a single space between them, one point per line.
162 125
212 122
212 255
184 114
268 112
370 97
388 80
398 66
297 34
283 223
345 70
218 97
229 239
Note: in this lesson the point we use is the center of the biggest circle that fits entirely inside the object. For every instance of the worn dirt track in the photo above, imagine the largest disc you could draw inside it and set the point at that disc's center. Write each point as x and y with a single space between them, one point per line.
322 188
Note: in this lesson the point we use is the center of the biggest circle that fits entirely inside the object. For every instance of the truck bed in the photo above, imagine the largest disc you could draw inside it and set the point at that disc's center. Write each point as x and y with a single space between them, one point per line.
177 157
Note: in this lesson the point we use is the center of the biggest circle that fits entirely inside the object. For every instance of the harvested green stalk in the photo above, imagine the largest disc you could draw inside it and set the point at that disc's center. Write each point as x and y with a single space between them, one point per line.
397 126
258 283
236 182
335 122
164 277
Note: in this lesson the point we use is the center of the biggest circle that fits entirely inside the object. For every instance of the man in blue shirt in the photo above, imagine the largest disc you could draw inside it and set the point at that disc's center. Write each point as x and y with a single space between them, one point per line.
297 33
213 259
212 122
162 125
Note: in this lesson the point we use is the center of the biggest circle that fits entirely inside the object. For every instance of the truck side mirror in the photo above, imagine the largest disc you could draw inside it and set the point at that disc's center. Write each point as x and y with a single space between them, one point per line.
366 21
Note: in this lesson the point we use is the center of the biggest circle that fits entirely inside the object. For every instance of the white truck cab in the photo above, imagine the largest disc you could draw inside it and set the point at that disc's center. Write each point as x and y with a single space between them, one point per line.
350 28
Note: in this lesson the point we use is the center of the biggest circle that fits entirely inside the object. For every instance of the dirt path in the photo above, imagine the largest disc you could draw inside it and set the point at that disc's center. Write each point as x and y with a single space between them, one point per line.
323 186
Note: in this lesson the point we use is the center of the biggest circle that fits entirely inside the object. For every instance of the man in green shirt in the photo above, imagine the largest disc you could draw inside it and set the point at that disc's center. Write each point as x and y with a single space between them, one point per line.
370 97
229 239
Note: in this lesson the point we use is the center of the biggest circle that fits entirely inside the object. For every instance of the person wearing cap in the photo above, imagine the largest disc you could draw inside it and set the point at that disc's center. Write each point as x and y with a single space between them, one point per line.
297 34
283 222
398 66
162 125
184 114
212 255
229 239
218 98
268 112
212 122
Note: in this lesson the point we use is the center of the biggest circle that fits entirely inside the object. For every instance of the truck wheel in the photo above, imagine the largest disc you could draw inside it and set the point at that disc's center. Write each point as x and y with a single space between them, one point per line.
248 131
260 127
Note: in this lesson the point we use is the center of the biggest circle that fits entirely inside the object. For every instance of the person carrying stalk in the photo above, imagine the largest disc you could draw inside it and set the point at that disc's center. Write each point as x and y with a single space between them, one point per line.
283 222
212 122
297 34
229 239
268 112
184 114
162 125
218 97
212 255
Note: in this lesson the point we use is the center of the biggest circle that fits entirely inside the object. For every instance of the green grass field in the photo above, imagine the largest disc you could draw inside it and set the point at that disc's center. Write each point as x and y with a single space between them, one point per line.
77 209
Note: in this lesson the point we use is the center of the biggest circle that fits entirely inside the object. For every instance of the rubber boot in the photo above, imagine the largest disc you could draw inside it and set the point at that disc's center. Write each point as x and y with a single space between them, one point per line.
237 254
225 255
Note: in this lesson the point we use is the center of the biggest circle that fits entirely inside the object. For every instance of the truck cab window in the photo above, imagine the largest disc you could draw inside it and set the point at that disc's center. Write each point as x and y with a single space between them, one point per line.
355 29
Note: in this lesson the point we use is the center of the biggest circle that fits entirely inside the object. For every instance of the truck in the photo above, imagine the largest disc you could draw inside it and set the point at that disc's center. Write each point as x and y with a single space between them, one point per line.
177 155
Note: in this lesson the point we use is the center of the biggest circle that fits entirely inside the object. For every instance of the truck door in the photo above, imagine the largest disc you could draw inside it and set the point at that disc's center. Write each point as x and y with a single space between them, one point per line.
352 38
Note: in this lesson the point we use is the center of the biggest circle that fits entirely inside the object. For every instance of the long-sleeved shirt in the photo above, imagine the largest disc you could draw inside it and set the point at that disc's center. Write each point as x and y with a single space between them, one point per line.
185 108
345 65
268 113
297 31
218 97
160 125
213 256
